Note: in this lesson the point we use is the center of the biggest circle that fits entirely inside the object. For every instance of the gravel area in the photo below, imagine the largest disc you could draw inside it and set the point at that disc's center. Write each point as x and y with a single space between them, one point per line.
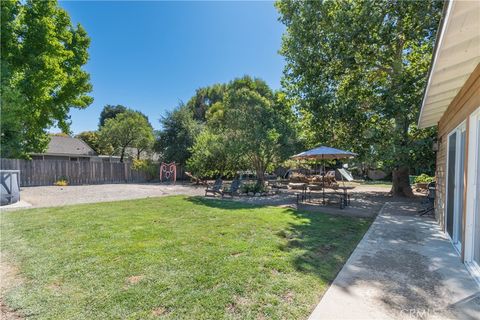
52 196
366 199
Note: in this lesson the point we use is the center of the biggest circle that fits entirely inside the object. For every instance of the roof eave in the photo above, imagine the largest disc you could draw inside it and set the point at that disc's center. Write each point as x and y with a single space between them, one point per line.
440 32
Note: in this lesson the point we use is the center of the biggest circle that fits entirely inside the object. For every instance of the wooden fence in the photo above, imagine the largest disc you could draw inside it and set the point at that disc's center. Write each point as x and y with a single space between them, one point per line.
47 172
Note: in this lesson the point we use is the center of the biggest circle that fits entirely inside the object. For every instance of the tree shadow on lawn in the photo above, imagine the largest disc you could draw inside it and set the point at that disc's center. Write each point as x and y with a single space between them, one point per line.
324 242
321 243
226 204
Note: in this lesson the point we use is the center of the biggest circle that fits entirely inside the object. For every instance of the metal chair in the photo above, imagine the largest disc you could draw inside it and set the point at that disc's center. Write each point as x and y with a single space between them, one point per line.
429 200
216 188
233 190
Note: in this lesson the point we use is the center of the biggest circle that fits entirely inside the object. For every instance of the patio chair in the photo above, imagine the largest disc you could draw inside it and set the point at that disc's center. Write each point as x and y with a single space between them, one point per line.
196 179
329 179
296 177
233 190
429 200
215 188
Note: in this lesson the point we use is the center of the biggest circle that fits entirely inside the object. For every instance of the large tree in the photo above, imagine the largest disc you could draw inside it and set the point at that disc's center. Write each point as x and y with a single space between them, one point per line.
42 55
248 130
127 130
356 70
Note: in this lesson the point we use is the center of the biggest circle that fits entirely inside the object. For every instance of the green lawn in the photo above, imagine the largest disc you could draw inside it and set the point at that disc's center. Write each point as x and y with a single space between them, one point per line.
378 183
173 257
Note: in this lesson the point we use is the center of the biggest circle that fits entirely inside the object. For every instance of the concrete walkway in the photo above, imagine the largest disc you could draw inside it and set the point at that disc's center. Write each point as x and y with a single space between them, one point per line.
404 268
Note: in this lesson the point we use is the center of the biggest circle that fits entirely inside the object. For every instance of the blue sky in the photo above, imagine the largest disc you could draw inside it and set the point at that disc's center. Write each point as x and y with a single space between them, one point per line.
151 55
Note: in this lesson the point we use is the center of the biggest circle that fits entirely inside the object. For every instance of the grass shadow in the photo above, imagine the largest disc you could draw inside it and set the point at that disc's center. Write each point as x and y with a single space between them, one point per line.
321 243
324 242
219 203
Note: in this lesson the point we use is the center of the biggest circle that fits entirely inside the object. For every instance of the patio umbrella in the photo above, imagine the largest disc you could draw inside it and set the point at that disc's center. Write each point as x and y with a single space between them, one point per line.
324 153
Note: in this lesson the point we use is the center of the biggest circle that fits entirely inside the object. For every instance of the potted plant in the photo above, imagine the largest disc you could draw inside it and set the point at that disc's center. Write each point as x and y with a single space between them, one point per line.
422 181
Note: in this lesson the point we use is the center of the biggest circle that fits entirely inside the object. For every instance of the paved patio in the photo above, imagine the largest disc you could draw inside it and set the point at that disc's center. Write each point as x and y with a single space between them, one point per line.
366 201
404 268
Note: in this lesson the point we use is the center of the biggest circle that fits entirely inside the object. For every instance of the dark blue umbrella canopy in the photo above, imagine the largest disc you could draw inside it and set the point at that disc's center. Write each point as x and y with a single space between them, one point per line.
324 153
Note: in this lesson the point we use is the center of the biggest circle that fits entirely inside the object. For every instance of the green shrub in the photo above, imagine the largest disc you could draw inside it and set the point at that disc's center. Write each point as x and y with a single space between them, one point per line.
424 178
61 182
254 187
150 168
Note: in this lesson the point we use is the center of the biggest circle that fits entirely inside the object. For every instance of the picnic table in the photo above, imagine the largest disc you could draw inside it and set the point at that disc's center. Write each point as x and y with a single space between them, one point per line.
306 192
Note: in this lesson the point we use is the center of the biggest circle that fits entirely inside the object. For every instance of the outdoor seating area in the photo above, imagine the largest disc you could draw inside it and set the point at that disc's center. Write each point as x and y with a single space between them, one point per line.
320 188
238 187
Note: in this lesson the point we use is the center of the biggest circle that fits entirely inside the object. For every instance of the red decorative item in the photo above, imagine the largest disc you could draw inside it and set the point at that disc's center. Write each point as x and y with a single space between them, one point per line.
168 171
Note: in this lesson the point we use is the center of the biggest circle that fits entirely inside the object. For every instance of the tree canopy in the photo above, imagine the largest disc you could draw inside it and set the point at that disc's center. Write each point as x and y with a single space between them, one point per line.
110 112
127 130
41 77
92 138
179 130
356 72
246 130
203 99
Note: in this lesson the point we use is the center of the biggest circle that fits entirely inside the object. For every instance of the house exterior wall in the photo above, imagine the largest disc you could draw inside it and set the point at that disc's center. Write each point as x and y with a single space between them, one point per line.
463 105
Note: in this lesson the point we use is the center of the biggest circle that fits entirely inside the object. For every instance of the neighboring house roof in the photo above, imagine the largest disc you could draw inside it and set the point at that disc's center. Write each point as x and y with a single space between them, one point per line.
65 145
456 55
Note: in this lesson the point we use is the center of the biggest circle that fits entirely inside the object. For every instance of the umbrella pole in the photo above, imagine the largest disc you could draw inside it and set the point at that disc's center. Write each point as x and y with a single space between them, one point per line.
323 180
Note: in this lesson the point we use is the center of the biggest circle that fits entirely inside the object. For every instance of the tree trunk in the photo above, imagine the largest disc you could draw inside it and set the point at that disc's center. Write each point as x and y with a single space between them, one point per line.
259 169
401 182
138 154
122 155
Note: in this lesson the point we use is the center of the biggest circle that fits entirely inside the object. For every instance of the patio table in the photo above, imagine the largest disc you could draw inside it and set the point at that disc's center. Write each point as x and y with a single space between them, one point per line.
346 196
307 194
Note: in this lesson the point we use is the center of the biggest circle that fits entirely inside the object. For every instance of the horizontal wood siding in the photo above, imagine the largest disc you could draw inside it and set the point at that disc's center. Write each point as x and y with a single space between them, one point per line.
47 172
466 101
